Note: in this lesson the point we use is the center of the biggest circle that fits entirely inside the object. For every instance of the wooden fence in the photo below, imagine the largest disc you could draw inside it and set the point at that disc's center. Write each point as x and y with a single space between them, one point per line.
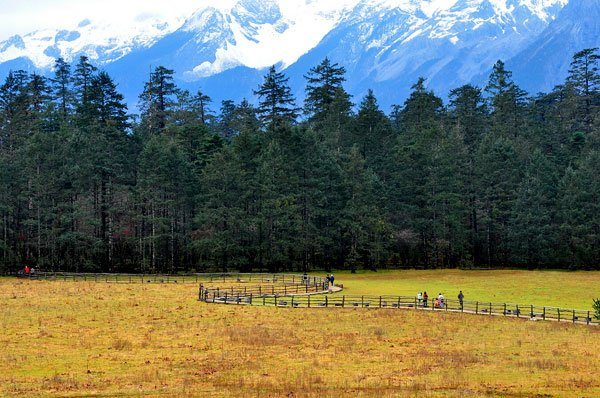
320 300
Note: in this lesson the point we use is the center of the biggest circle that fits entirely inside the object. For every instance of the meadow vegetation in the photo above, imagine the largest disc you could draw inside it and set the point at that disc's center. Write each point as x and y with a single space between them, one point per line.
86 338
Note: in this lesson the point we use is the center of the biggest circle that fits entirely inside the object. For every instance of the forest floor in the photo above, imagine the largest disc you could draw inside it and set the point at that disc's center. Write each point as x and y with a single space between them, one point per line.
98 339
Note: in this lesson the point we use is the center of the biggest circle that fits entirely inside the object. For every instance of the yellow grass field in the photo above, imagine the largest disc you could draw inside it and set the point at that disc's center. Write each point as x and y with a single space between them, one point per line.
98 339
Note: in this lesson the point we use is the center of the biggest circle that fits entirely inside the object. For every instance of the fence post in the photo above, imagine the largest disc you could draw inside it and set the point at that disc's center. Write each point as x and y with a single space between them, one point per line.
477 307
398 301
292 301
343 301
264 300
275 300
326 302
309 301
504 309
379 301
518 311
225 297
362 301
558 311
200 293
544 314
415 303
587 320
490 308
574 317
531 314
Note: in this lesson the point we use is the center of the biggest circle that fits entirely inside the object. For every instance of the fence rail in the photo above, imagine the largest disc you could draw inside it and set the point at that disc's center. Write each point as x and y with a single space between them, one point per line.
289 299
272 278
295 291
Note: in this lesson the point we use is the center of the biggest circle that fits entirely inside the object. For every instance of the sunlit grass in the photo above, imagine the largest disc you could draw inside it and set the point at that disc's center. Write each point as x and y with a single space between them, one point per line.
542 288
83 338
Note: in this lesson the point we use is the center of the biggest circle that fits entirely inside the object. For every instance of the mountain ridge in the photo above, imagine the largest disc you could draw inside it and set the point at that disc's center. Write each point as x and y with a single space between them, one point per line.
385 44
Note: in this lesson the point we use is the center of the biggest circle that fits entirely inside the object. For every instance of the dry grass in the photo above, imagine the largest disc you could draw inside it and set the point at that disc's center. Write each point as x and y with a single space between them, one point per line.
82 339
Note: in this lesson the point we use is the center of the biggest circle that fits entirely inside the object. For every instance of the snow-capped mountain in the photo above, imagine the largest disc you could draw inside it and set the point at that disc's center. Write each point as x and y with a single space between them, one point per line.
384 44
101 42
575 28
389 45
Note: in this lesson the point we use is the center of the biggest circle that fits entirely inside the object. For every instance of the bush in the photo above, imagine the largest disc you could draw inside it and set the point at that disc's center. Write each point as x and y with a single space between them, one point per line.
596 307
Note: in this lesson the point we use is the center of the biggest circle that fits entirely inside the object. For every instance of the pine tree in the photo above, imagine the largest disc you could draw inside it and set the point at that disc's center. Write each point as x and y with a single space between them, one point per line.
323 88
373 134
276 103
82 82
584 78
468 114
61 84
157 100
200 103
507 102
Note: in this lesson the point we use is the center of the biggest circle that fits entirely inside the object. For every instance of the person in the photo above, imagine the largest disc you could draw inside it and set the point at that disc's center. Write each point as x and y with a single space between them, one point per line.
331 284
27 270
441 300
461 297
305 279
436 303
419 298
425 299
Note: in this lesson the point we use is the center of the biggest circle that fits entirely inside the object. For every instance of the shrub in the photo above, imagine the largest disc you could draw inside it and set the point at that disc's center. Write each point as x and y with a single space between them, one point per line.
596 307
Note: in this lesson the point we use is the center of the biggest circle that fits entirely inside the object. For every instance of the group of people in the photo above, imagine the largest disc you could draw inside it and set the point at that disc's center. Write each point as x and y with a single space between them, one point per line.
440 300
330 280
28 271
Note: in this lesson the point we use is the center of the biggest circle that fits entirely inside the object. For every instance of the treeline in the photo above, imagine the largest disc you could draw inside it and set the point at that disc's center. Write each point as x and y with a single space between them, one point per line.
493 178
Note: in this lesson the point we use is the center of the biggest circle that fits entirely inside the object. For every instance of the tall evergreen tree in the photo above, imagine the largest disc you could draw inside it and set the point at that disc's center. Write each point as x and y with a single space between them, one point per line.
277 106
323 86
61 85
157 100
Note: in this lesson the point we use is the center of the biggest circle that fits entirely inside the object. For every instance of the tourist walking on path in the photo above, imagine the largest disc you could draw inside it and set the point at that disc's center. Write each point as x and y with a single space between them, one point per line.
419 298
441 300
425 298
331 279
461 297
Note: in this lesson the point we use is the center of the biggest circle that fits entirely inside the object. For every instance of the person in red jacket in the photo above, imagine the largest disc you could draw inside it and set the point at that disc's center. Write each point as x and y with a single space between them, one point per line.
27 270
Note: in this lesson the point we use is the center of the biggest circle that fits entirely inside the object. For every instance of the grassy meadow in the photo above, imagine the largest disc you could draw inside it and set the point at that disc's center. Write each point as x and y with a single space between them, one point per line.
98 339
544 288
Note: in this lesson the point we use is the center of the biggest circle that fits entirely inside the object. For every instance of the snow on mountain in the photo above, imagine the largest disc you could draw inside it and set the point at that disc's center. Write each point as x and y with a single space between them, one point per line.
388 44
384 44
575 28
257 34
101 42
